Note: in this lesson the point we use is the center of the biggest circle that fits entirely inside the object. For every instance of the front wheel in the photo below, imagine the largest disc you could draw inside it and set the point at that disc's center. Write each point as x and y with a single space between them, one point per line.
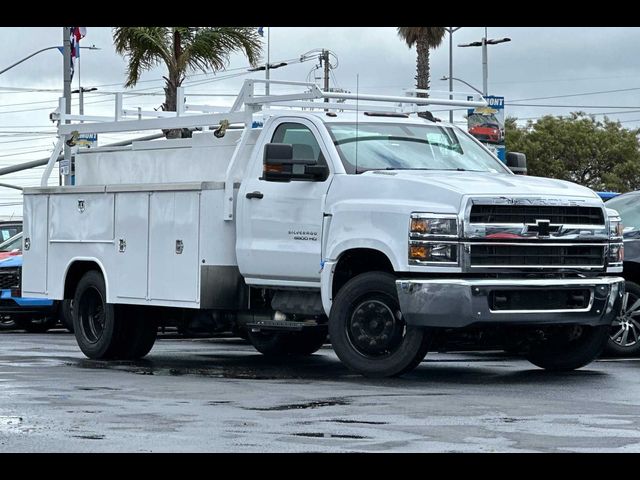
368 331
568 347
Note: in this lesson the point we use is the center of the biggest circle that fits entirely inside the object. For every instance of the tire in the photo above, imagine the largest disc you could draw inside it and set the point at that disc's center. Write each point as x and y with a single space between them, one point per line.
99 326
40 325
624 336
66 314
270 344
7 324
569 347
140 333
374 350
282 344
307 342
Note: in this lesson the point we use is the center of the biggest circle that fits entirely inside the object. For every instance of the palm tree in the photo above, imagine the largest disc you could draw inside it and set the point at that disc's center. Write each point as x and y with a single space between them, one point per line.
182 50
423 38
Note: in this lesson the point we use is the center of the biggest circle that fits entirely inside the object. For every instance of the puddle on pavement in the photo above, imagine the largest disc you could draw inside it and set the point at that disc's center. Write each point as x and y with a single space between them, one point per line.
89 437
356 422
300 406
330 435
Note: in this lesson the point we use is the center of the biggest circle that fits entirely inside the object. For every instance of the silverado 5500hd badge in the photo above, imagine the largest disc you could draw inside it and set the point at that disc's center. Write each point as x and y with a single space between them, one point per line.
304 235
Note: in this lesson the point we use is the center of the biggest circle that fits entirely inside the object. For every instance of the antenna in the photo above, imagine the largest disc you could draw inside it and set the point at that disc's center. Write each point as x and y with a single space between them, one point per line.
357 112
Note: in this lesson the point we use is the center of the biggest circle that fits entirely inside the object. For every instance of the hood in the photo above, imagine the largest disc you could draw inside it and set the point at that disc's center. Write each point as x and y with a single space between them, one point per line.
11 262
444 191
486 183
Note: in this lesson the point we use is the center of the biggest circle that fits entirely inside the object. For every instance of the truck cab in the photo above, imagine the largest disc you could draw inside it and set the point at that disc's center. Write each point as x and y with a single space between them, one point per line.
382 228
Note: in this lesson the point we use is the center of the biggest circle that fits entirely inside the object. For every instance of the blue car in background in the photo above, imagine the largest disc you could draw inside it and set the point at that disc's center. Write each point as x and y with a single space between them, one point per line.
607 195
35 315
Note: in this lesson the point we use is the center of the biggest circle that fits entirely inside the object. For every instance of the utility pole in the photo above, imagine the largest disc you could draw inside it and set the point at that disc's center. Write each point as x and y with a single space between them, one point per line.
66 60
485 68
267 90
324 59
451 30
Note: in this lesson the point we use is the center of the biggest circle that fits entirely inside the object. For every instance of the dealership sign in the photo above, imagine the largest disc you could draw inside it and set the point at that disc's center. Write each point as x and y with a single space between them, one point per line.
487 124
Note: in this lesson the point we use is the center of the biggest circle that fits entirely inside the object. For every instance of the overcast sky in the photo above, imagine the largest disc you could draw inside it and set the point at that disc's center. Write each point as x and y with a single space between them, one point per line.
538 62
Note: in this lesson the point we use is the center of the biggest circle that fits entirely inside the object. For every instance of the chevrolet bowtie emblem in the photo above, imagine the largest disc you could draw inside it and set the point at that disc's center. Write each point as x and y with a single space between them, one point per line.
543 228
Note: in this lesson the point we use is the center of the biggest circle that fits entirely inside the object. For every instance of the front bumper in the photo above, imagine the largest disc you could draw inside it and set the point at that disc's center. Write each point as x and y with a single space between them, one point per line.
24 306
456 303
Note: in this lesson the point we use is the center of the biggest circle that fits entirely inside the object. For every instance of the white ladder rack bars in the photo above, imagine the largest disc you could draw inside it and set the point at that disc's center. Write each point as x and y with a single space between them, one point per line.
209 116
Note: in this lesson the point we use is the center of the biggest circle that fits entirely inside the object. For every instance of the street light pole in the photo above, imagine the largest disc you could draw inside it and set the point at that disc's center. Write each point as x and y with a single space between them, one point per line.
462 81
66 72
451 30
485 67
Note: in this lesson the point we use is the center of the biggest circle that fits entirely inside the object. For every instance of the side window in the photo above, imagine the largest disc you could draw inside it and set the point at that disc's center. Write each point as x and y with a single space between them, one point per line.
305 145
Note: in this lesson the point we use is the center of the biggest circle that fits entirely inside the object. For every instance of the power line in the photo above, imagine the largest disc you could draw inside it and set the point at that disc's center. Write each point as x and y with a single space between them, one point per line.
577 94
510 105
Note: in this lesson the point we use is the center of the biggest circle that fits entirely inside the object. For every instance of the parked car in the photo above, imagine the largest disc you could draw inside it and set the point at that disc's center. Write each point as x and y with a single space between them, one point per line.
625 333
9 228
34 315
607 195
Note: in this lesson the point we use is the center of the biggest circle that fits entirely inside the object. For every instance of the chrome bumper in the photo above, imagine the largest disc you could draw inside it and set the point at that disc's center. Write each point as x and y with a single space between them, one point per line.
454 303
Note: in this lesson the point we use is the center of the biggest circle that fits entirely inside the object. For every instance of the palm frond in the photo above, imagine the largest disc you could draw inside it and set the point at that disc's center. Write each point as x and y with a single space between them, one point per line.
433 36
145 48
211 47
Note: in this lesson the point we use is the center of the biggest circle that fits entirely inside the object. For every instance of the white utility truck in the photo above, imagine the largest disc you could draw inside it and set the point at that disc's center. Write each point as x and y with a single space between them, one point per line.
289 216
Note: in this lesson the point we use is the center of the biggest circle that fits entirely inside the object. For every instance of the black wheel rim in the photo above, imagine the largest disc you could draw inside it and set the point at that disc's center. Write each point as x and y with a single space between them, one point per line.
91 315
375 327
625 330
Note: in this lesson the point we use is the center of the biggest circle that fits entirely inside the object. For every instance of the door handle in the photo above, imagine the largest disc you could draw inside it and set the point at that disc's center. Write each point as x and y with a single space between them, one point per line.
254 195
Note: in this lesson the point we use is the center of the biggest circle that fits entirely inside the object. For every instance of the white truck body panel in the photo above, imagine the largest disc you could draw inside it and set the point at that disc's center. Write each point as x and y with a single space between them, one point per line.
150 269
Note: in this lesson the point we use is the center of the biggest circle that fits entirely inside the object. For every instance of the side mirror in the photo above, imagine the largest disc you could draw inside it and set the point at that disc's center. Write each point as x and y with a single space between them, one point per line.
517 163
279 165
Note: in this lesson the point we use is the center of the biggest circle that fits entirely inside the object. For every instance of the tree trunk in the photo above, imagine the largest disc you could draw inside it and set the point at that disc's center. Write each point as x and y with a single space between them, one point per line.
170 102
171 87
422 72
422 66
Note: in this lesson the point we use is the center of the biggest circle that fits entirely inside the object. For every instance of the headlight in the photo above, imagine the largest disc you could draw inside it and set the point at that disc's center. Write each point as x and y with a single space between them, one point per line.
433 252
433 239
433 225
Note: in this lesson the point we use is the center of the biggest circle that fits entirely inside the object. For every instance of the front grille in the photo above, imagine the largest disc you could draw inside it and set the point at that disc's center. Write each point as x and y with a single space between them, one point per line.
563 215
497 255
9 278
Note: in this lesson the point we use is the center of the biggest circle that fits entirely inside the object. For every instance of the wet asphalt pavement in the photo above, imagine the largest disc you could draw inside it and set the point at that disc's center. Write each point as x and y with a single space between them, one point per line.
220 395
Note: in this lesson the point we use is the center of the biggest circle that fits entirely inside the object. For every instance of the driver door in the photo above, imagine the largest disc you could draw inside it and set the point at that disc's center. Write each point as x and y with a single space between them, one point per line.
280 223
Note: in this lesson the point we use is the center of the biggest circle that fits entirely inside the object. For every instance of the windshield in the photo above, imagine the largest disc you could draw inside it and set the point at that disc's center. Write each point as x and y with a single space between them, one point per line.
12 244
627 207
394 146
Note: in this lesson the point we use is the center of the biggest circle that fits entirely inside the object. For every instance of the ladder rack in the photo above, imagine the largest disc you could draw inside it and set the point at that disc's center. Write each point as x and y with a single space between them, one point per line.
193 116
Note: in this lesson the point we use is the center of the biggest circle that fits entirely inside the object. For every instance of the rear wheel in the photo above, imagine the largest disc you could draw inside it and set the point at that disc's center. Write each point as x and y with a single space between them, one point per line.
99 326
368 332
141 331
280 344
568 347
624 336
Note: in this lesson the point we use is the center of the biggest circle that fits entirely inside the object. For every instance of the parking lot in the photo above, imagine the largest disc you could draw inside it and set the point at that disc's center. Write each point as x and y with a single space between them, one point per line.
220 395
